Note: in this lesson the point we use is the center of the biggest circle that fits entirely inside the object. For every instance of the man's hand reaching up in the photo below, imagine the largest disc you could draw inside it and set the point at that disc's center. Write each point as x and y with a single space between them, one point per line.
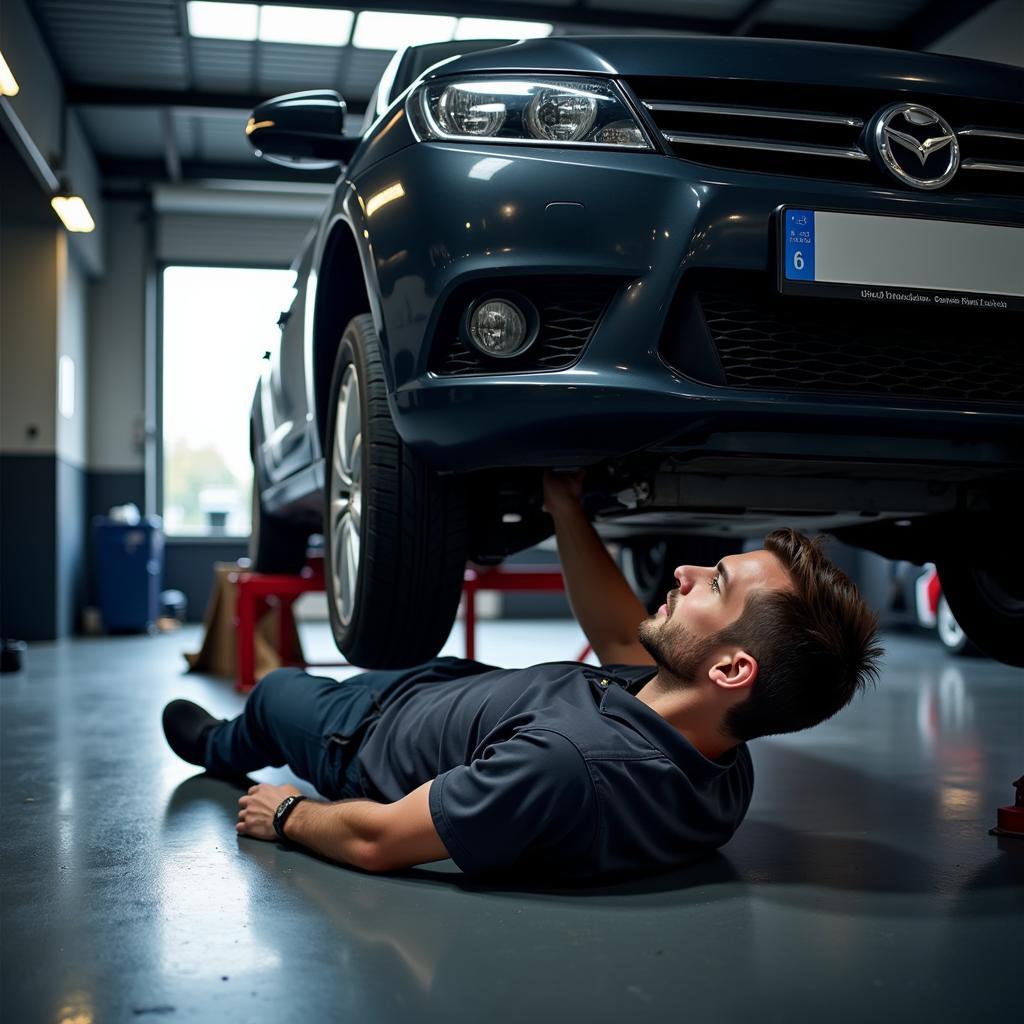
604 605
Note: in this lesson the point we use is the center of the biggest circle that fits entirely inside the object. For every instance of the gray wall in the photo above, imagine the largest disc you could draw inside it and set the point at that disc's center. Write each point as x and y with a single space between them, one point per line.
43 301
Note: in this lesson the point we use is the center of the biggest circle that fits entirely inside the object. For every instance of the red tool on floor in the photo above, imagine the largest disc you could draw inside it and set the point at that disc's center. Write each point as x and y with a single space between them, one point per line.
1010 819
256 592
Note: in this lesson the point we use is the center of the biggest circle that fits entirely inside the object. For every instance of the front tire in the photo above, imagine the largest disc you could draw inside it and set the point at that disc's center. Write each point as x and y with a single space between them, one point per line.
394 531
989 606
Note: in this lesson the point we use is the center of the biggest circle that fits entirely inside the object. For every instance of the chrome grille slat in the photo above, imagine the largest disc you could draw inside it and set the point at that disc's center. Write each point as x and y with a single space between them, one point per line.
992 133
771 145
1002 166
763 112
775 128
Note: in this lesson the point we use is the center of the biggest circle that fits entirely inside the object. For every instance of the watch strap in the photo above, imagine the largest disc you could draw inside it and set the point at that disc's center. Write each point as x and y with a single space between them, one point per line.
284 809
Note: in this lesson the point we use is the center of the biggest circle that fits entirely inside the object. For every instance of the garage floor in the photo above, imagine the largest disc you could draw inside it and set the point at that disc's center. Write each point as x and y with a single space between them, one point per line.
863 885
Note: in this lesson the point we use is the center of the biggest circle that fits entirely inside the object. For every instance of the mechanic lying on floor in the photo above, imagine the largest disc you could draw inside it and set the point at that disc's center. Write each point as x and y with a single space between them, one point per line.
562 768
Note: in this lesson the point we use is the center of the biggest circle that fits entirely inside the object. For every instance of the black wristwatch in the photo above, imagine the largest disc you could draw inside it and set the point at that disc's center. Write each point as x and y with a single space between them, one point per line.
284 808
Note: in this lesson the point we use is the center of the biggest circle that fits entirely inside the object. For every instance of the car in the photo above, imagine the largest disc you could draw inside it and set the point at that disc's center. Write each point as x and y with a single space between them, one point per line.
740 283
914 601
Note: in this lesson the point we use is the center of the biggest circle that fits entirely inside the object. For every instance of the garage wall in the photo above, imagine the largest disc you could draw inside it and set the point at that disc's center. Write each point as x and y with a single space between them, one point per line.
43 300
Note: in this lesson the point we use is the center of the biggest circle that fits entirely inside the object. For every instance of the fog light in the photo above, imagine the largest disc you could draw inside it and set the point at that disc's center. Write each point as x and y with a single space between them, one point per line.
499 327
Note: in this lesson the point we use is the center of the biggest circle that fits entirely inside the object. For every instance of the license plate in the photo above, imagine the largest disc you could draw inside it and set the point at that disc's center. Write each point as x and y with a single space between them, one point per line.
908 261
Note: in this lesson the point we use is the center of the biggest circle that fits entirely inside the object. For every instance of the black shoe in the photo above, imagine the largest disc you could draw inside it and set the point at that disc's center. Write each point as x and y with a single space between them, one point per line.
185 726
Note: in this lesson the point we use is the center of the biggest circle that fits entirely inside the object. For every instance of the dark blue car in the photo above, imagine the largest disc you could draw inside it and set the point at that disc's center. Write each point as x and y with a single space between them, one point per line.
743 283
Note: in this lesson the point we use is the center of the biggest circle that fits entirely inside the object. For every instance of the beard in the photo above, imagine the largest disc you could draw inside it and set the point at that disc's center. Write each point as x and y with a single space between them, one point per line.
676 650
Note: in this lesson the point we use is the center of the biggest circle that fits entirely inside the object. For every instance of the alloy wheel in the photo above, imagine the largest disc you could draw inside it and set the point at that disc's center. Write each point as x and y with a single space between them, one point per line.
346 498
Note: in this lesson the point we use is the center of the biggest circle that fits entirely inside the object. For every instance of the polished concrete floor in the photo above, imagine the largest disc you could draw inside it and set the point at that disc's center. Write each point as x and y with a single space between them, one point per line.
863 886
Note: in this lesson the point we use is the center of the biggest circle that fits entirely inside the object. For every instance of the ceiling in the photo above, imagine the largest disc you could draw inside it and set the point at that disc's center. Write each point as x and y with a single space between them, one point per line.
161 105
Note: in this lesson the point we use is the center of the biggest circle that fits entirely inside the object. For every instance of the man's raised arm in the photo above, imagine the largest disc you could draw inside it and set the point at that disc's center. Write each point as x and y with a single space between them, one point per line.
604 604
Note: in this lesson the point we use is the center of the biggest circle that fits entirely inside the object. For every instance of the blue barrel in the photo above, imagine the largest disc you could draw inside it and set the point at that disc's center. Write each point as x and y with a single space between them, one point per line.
130 569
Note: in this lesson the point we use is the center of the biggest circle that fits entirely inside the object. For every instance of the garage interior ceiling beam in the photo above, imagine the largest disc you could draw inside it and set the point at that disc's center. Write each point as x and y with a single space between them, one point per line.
172 158
578 13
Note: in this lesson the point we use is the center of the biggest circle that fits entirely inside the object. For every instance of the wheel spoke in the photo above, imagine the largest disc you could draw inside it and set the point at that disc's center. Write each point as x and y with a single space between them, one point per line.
353 553
356 459
341 472
340 507
340 574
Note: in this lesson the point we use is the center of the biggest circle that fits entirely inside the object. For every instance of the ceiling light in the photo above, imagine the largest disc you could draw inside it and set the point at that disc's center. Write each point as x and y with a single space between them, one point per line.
492 28
8 83
73 212
222 21
314 26
383 30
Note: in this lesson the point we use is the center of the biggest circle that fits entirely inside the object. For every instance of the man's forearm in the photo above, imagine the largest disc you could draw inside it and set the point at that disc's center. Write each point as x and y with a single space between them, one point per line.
344 831
604 604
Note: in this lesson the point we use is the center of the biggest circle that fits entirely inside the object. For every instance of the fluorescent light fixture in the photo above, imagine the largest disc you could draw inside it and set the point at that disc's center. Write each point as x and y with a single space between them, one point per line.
493 28
222 21
8 83
73 212
314 26
384 30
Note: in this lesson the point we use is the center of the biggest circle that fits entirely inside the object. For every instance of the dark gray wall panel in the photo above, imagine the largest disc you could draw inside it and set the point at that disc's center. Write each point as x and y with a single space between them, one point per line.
188 567
70 547
28 532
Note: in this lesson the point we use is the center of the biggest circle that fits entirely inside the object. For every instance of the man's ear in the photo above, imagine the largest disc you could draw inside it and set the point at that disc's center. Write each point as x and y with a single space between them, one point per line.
735 670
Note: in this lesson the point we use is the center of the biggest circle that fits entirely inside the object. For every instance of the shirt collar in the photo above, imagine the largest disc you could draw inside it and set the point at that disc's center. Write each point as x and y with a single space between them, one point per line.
616 702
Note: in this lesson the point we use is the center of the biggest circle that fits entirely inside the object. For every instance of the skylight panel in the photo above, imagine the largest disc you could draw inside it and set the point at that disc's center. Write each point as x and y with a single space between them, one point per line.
314 26
494 28
207 20
384 30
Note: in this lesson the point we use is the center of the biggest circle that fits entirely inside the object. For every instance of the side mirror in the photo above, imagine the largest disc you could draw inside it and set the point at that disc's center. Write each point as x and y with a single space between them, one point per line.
304 130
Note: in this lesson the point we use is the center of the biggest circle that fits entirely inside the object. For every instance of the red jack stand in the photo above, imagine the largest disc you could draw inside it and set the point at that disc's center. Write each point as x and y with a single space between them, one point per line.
1010 820
257 591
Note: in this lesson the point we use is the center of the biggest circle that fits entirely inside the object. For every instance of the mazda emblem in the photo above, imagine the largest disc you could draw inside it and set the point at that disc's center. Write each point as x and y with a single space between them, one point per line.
916 146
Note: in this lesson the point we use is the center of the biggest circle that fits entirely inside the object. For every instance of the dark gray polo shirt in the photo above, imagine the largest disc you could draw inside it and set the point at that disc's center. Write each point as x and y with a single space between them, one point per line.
556 768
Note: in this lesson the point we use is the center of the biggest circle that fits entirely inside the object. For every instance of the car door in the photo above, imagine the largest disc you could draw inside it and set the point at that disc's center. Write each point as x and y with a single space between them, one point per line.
287 445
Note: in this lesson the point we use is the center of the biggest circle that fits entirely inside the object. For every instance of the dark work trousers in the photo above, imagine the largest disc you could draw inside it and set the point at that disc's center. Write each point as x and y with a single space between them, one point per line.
315 725
311 723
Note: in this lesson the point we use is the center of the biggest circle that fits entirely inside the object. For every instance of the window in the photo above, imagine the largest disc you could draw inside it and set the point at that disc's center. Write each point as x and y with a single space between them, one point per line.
217 323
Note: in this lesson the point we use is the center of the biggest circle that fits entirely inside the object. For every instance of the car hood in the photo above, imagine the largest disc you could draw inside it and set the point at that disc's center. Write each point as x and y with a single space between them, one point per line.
753 59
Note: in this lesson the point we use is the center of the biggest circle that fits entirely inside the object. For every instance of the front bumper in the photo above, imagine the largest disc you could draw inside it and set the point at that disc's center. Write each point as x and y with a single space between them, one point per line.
646 220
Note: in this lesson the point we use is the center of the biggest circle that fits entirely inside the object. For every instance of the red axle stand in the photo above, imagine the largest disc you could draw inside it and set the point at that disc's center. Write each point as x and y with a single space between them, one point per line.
256 592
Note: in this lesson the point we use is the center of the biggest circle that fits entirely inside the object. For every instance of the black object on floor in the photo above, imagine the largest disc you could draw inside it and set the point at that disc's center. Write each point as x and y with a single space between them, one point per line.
12 654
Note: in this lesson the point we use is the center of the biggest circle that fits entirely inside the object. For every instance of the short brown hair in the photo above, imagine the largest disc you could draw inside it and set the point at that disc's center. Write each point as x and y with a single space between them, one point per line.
816 645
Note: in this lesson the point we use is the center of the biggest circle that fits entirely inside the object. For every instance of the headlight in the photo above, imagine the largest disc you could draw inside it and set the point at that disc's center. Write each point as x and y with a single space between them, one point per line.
541 111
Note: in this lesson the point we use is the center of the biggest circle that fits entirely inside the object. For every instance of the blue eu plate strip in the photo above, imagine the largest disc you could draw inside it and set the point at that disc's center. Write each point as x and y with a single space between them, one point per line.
799 245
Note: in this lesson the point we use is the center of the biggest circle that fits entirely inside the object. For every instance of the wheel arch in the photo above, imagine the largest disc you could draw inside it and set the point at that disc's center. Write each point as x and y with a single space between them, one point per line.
342 293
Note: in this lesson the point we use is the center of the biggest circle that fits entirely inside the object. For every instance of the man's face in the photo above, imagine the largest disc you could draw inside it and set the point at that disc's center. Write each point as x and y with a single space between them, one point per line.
706 601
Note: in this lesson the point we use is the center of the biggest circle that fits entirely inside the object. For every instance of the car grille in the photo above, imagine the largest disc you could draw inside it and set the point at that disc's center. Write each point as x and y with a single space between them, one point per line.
760 340
775 128
569 309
